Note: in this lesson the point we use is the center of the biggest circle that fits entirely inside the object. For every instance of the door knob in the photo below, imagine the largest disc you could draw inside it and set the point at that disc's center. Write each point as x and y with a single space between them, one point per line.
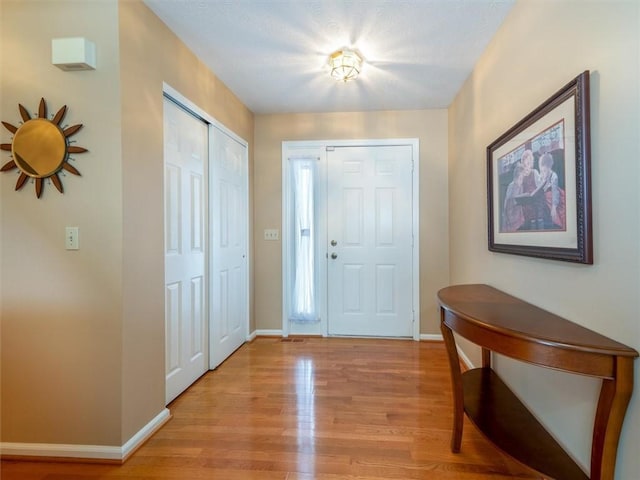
333 243
334 255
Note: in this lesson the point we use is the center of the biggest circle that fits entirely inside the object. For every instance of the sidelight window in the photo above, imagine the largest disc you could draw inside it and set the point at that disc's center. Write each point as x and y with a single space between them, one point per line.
303 295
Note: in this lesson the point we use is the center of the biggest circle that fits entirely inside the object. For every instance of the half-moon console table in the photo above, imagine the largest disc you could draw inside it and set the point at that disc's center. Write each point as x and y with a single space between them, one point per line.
500 323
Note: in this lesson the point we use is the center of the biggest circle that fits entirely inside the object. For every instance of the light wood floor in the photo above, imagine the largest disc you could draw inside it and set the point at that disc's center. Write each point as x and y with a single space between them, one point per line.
312 409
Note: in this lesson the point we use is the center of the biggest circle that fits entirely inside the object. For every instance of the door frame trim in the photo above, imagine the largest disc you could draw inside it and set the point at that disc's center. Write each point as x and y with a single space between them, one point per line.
175 96
318 148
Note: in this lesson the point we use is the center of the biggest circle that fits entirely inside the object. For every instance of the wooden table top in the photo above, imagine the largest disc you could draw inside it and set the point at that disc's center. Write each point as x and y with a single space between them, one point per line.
498 311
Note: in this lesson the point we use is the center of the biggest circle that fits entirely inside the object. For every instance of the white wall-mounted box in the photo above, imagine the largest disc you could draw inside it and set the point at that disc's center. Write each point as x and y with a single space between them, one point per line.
72 54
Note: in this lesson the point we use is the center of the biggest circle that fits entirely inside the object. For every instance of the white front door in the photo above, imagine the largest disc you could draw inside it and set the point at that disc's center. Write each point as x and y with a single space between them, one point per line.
370 259
185 192
229 230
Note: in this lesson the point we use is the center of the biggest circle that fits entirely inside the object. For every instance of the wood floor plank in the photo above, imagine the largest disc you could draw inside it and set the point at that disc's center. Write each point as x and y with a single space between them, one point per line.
316 409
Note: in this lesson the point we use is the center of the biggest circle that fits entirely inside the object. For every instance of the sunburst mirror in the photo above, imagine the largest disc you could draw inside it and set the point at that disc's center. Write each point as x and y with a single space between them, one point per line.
40 148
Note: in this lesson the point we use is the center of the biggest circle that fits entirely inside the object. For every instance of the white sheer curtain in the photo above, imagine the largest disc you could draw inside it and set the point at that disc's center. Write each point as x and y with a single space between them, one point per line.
303 295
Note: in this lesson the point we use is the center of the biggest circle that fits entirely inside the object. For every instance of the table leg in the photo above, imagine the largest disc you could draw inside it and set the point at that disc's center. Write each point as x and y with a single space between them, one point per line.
456 384
612 406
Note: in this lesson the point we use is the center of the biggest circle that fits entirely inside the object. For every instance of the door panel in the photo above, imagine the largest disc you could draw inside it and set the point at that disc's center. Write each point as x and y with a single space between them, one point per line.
229 207
185 156
370 219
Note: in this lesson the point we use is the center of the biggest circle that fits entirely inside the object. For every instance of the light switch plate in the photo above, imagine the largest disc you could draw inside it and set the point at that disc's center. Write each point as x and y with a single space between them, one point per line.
271 234
71 238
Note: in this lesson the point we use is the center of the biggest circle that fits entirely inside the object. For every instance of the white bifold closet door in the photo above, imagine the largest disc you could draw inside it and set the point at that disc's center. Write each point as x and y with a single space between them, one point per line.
229 243
185 175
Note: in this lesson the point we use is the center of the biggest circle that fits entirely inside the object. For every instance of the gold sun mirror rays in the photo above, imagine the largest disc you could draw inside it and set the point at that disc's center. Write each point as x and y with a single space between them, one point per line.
40 148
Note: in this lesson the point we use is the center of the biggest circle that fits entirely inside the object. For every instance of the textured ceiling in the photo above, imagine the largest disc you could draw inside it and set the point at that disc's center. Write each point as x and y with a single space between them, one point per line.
273 53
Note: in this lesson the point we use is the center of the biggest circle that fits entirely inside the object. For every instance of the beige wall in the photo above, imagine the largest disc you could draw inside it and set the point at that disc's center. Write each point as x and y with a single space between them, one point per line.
429 126
83 332
61 310
540 47
151 55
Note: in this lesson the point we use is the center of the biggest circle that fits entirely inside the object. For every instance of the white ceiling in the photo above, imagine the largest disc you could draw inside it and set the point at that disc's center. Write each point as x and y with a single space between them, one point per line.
273 53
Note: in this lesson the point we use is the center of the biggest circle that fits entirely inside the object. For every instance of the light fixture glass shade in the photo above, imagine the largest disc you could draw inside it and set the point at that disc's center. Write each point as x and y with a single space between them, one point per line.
345 64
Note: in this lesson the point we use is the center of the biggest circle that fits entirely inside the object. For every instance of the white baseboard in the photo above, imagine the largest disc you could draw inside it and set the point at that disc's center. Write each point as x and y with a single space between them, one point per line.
93 452
468 363
431 337
56 450
427 337
278 333
267 333
145 433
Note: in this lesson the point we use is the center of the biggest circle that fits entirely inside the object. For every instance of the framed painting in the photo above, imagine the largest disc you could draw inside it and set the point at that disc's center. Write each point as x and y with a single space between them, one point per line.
539 180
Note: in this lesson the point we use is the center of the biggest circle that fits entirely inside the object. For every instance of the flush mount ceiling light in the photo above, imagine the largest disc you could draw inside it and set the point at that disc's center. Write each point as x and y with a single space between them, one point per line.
345 64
